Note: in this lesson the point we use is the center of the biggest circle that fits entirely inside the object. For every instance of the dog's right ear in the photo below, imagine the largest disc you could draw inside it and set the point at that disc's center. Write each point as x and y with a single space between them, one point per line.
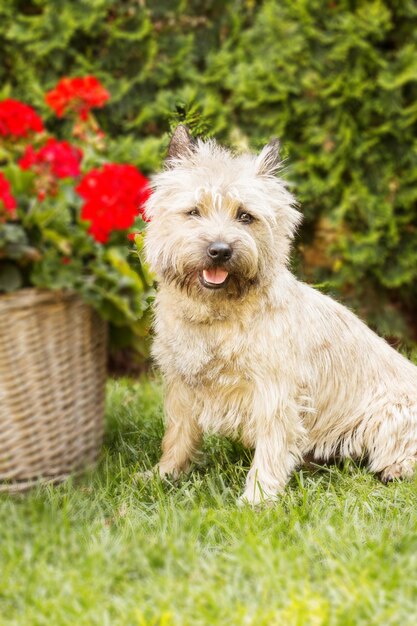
181 146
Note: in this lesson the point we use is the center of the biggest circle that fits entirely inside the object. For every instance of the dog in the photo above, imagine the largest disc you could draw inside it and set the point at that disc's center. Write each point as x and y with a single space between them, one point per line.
247 350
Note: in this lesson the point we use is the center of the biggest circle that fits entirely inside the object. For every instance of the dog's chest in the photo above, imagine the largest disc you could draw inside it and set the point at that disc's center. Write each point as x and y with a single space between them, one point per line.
210 356
217 366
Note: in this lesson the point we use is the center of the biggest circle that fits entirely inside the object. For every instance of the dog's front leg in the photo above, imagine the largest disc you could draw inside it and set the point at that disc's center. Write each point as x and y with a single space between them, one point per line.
183 434
277 452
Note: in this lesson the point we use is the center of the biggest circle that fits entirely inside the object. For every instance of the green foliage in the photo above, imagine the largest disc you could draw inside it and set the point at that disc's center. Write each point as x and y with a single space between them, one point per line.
335 80
44 243
49 247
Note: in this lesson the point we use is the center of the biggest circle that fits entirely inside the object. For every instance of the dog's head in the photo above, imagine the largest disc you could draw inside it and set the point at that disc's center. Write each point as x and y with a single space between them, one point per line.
219 224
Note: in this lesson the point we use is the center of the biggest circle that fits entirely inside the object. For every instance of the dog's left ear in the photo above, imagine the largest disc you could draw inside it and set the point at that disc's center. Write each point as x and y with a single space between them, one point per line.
269 160
181 145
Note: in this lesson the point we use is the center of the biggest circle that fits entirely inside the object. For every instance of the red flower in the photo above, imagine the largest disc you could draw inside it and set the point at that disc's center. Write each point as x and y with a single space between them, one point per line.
59 158
78 95
114 195
7 201
18 119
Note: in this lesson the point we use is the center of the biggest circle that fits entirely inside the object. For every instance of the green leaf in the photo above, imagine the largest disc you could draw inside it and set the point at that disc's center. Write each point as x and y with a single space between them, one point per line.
10 277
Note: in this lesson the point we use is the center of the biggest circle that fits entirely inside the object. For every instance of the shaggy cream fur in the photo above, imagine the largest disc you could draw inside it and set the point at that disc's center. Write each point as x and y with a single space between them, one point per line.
262 357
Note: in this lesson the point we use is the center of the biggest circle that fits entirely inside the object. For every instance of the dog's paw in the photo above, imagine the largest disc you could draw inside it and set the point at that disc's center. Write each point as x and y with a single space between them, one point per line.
256 498
172 475
146 475
244 501
398 471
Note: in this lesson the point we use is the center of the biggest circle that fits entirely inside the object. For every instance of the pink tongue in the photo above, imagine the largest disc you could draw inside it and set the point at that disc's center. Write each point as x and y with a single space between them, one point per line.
216 276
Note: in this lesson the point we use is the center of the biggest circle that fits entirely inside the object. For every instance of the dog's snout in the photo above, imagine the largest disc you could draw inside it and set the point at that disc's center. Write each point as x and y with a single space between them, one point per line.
219 251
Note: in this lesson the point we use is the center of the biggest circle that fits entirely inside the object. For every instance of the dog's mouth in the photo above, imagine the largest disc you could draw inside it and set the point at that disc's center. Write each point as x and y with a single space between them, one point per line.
214 277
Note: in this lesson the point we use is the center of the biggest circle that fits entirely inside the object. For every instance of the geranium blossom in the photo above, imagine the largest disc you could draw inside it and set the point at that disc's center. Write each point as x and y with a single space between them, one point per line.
114 195
7 201
58 158
78 95
18 119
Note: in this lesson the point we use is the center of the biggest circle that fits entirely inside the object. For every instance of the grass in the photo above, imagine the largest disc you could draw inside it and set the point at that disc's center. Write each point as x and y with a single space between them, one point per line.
338 549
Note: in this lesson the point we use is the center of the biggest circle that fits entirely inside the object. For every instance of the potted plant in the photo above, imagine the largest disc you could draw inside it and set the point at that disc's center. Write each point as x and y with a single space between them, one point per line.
67 273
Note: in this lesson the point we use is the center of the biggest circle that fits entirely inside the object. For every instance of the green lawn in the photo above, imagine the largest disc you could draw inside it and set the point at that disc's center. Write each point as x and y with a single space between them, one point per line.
338 548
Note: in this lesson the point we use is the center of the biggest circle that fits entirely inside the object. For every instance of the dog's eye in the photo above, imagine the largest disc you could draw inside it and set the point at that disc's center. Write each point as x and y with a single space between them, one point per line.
245 217
194 213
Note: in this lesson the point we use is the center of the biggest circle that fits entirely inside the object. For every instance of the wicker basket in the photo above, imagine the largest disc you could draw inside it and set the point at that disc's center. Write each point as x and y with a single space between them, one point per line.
52 375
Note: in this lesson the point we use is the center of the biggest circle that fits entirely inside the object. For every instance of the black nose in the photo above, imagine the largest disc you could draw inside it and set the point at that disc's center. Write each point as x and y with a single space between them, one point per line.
219 251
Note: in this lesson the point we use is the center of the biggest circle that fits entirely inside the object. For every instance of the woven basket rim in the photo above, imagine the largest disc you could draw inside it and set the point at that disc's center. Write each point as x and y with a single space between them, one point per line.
32 296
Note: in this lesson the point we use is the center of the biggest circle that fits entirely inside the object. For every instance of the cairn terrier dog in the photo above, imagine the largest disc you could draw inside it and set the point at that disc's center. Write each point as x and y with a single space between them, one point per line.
249 351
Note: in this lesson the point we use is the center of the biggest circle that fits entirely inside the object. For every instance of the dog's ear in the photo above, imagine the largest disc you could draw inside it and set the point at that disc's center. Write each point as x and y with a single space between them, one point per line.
269 160
181 145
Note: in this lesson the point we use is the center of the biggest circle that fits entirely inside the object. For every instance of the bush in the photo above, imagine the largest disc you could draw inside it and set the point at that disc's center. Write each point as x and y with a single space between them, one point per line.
336 81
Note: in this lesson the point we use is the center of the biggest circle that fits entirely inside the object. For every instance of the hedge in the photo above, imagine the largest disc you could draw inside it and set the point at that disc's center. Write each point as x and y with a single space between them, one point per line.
335 80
